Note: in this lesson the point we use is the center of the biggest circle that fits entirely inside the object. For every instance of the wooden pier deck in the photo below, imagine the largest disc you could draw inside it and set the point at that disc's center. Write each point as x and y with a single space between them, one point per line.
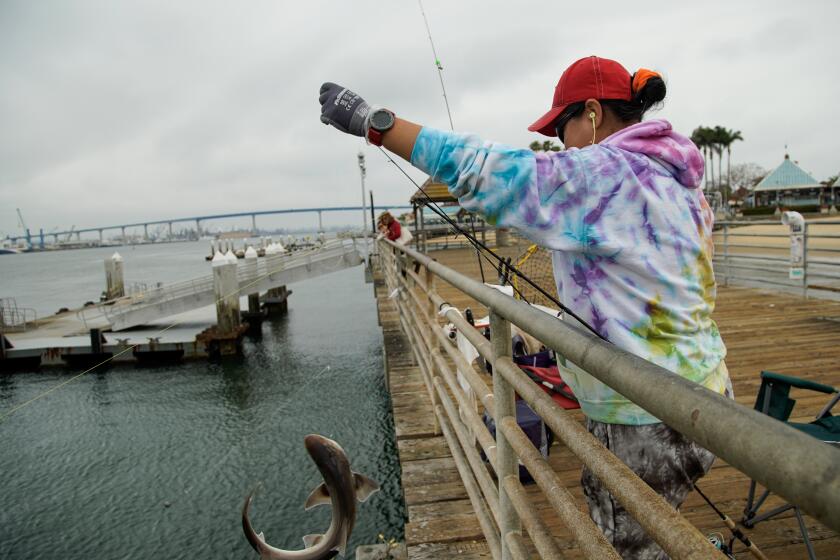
763 330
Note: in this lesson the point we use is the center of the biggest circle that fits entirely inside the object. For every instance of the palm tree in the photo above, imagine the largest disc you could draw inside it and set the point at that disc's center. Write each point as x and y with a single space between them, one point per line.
700 137
732 137
720 137
547 146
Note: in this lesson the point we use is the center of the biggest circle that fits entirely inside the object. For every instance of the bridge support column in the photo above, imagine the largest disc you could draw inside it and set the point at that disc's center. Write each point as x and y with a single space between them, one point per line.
100 237
55 239
170 231
124 240
145 232
254 225
320 222
198 228
114 282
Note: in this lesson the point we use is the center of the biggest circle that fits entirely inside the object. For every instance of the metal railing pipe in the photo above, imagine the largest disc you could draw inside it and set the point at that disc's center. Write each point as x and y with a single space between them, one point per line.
539 533
482 391
506 463
482 476
473 421
516 544
719 424
485 520
678 537
590 539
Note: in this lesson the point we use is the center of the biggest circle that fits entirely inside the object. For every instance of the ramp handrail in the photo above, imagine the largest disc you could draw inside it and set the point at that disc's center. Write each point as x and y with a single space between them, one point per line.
769 262
765 449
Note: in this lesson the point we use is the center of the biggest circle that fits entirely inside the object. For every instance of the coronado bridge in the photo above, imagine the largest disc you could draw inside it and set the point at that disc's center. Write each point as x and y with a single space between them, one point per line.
197 220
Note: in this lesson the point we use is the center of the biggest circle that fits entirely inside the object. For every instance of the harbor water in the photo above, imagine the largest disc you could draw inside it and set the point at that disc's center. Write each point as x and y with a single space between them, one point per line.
130 462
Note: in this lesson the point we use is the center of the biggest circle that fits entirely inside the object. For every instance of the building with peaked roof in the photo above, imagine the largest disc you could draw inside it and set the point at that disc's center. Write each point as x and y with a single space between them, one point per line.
789 185
429 223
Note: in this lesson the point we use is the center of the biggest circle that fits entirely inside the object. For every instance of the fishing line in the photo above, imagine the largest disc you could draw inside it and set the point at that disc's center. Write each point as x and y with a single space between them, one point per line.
5 415
439 67
476 243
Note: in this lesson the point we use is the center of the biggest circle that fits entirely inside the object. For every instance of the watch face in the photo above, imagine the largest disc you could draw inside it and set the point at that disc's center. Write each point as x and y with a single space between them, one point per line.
382 120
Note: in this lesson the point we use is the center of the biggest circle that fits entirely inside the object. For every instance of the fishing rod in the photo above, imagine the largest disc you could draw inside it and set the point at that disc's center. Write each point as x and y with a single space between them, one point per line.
733 528
504 267
487 251
439 67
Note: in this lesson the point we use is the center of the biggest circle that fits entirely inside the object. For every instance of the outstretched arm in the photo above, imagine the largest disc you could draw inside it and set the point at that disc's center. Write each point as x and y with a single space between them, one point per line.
544 196
401 138
348 112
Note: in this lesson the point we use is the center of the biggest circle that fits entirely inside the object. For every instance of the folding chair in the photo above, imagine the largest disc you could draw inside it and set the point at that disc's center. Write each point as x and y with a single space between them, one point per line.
773 399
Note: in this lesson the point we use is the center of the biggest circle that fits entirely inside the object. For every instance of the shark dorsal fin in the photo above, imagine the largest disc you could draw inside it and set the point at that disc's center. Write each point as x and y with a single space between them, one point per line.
319 497
364 486
311 540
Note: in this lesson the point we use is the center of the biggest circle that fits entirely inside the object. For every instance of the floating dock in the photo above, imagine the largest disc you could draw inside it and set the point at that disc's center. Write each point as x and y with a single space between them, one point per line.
170 322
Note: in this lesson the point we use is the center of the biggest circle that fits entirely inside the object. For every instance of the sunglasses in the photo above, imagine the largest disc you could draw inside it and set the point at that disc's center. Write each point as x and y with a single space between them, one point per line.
563 120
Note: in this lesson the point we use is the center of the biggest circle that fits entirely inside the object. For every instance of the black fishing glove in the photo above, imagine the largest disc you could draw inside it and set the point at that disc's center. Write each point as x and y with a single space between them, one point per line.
343 109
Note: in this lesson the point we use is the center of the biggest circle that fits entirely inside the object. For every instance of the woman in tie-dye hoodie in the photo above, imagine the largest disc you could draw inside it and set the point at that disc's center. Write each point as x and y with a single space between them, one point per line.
631 235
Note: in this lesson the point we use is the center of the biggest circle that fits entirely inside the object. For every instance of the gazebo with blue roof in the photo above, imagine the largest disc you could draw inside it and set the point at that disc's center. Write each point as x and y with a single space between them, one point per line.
790 186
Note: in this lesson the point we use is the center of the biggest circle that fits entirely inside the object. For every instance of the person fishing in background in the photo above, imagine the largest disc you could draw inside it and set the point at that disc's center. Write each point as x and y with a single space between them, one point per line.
631 235
391 229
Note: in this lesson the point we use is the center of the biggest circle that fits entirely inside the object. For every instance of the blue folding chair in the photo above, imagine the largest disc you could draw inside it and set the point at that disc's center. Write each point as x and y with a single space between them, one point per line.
774 400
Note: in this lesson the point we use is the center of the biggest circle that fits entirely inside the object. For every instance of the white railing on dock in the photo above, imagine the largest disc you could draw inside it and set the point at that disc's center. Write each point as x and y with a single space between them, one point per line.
14 318
763 258
772 456
177 297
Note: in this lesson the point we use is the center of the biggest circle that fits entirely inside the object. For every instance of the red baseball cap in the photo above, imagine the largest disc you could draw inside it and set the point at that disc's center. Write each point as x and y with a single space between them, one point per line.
588 78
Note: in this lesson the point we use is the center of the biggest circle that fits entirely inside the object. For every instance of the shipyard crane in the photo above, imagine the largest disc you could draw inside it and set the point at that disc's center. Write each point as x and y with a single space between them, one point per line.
24 228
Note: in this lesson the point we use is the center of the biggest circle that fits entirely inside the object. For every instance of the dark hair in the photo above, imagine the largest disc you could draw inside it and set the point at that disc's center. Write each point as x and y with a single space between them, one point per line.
651 95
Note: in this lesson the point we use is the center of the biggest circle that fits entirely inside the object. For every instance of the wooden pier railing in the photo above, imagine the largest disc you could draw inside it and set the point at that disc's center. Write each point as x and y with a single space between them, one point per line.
762 448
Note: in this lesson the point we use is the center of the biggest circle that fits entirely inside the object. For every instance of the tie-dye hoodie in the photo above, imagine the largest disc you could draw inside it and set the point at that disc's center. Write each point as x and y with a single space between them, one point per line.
631 236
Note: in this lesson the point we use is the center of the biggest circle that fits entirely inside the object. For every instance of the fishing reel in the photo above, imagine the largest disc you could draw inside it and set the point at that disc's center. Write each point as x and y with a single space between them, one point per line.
719 543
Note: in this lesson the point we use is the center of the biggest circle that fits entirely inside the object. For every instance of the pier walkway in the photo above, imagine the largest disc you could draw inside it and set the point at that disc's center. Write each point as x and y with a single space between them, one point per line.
763 330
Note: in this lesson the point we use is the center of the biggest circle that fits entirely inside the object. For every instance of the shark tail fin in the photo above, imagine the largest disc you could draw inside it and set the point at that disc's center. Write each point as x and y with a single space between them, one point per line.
364 486
311 540
319 497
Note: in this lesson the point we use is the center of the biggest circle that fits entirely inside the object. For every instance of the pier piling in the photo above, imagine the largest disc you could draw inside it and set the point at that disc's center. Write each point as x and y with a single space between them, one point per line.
225 338
114 281
255 315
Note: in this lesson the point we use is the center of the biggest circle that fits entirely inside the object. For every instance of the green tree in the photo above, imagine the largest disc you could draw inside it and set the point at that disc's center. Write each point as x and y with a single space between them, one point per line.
546 146
703 139
732 137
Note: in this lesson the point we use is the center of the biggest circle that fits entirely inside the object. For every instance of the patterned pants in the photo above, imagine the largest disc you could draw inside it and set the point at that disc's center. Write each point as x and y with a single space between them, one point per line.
666 460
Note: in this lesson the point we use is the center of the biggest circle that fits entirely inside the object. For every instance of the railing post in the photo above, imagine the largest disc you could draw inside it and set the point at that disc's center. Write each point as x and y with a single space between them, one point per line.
726 254
805 261
430 291
506 463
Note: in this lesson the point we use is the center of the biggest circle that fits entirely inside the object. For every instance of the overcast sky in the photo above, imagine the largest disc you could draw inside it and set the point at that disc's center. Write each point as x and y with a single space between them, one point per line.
115 111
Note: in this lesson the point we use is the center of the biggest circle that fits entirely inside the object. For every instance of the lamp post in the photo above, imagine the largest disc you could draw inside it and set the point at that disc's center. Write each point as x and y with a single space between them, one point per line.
363 171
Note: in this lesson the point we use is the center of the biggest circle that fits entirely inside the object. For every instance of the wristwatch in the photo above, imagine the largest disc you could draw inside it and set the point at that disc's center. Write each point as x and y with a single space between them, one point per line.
381 121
